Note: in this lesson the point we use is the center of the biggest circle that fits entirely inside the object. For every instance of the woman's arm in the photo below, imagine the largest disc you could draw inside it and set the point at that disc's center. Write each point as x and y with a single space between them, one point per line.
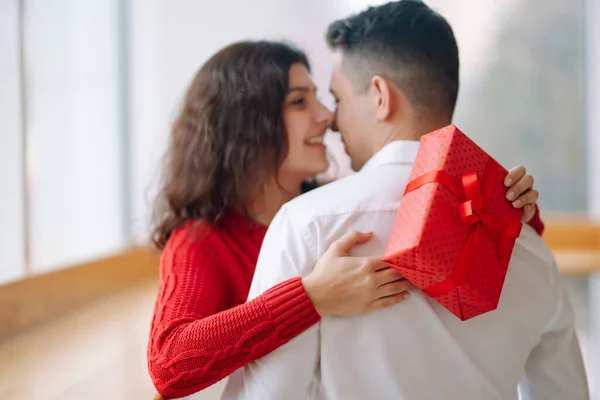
194 342
190 353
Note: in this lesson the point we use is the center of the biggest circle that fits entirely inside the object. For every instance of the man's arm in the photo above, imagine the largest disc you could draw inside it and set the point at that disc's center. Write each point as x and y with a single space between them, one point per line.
555 368
286 373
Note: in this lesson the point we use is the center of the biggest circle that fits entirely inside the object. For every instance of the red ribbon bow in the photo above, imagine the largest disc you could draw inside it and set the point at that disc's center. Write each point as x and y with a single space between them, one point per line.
472 212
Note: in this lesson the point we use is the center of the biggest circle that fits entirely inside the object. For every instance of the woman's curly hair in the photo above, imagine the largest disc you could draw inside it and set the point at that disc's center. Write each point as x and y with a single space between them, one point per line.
228 138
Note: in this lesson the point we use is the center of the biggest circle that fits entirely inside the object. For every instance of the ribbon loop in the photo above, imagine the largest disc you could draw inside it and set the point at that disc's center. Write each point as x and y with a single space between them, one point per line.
472 190
472 212
468 216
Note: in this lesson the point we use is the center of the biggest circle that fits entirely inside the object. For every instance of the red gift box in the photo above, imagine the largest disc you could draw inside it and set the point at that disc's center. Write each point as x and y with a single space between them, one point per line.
455 230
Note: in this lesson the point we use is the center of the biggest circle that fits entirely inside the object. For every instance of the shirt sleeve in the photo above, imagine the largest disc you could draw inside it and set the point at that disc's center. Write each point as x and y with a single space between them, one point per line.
536 222
554 369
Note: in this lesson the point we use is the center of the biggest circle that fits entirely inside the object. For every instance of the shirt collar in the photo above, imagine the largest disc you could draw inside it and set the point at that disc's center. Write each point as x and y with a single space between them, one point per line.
397 152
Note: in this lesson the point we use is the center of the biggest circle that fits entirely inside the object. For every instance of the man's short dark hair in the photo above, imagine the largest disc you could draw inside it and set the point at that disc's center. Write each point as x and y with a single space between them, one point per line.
405 42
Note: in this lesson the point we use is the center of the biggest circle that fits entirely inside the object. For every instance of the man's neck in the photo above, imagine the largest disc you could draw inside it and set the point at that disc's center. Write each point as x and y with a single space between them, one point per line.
412 131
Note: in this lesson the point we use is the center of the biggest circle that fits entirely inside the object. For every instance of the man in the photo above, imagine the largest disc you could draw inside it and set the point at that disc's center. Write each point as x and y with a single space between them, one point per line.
395 78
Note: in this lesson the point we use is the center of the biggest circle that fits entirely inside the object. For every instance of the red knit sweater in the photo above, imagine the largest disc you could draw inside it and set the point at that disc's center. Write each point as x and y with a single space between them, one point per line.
202 330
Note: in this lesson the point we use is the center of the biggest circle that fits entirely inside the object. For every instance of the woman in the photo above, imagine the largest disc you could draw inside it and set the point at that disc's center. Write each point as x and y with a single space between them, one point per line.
246 138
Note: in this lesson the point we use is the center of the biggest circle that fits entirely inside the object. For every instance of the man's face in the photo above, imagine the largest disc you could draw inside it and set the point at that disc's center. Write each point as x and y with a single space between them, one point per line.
354 116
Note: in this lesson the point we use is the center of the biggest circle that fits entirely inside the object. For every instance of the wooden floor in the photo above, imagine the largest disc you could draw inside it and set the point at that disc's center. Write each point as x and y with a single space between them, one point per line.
96 352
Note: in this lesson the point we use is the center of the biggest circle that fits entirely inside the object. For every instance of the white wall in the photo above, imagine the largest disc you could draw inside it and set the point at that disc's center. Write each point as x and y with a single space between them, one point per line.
12 236
146 122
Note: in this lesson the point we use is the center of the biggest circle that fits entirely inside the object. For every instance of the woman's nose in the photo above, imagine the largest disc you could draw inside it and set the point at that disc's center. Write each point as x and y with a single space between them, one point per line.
324 115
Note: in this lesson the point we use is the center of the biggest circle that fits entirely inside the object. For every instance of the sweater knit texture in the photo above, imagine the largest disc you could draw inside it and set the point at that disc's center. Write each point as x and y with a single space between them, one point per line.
202 329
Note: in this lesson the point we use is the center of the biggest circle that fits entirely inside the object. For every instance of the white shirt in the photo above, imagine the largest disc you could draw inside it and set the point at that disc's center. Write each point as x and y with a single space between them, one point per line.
415 350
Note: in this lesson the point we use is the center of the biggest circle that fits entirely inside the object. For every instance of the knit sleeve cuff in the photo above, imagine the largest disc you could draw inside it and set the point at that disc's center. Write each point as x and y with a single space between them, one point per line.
536 222
290 306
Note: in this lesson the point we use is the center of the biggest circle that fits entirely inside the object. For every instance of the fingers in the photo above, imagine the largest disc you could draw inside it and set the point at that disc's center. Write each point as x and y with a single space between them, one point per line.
387 301
387 275
514 175
372 264
343 245
521 186
528 213
528 198
393 288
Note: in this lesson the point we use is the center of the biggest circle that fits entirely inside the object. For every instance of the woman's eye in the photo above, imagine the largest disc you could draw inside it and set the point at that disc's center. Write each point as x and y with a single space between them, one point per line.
300 101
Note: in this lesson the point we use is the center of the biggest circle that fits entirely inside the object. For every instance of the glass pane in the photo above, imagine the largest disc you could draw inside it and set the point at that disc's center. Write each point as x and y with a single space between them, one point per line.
12 236
521 94
74 136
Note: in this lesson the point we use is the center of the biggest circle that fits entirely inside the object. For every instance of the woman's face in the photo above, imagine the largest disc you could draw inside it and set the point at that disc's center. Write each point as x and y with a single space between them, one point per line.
306 120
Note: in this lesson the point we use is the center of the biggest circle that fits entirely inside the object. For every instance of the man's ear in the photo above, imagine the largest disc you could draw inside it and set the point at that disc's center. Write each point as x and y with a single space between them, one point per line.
383 97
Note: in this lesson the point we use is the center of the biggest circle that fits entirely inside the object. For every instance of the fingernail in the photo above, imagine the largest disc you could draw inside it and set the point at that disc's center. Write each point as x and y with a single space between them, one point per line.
510 196
508 182
405 295
517 203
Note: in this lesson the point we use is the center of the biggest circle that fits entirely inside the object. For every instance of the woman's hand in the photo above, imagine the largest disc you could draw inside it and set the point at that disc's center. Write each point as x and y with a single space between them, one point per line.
520 191
345 285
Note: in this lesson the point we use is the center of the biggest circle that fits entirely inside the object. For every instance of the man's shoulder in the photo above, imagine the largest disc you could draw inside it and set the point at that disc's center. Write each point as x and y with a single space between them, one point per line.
533 257
328 197
365 191
530 241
